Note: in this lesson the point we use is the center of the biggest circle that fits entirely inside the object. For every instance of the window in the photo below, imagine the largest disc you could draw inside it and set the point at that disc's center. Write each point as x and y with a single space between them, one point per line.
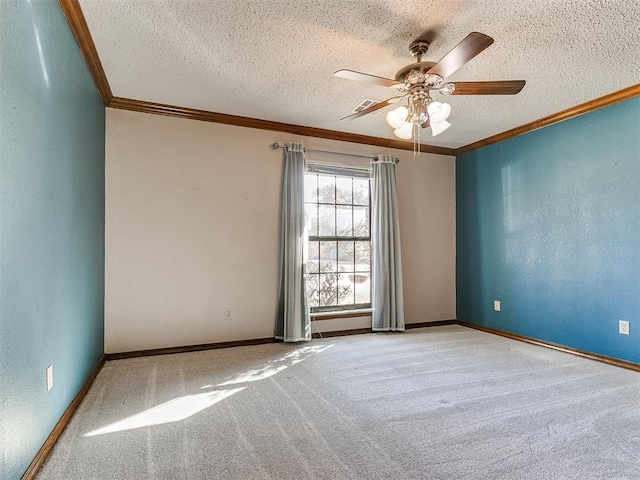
338 221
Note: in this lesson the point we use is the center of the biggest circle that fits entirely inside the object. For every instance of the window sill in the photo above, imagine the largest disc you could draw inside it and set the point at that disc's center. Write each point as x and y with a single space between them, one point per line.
364 312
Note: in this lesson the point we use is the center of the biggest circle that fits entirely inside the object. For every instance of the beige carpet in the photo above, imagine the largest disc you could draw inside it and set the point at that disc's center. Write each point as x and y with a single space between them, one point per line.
433 403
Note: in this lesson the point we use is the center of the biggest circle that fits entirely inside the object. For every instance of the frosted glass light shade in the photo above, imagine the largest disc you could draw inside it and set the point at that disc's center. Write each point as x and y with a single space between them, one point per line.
439 127
396 118
405 131
439 112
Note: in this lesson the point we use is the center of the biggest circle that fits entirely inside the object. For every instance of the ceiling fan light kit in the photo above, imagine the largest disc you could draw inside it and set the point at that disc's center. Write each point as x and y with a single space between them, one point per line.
396 118
418 103
420 111
418 80
438 112
438 128
405 131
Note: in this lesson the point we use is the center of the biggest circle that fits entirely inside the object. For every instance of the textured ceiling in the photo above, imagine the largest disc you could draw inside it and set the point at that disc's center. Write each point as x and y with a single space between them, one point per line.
274 59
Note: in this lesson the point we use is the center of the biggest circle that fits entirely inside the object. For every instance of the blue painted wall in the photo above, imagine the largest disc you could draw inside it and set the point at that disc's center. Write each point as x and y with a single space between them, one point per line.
52 130
549 224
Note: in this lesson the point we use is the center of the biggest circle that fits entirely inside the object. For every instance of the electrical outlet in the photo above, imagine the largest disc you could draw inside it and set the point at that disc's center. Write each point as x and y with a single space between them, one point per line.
496 305
49 377
623 327
227 314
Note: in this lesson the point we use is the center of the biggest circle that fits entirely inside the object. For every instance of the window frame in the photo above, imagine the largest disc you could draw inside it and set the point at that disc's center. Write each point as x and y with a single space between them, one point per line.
349 172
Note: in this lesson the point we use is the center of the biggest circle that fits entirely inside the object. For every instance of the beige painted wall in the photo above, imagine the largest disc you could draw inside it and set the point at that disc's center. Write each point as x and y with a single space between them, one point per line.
192 229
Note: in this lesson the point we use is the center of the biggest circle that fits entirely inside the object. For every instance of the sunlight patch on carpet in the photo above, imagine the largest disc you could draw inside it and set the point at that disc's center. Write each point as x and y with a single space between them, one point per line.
168 412
274 366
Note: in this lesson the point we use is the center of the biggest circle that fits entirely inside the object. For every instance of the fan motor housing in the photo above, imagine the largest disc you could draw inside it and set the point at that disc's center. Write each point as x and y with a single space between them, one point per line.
422 67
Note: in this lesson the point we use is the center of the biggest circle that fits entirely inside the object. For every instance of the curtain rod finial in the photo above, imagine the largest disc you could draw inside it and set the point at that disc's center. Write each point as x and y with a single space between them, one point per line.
275 145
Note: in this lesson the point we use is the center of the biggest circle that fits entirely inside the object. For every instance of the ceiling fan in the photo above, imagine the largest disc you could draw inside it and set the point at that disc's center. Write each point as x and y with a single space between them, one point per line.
418 80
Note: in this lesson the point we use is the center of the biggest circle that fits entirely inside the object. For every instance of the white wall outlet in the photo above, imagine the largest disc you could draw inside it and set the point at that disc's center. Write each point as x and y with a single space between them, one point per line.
49 377
227 314
623 327
496 305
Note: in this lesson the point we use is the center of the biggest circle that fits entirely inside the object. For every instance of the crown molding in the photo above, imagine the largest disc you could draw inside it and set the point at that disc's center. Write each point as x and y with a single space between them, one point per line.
80 29
207 116
605 101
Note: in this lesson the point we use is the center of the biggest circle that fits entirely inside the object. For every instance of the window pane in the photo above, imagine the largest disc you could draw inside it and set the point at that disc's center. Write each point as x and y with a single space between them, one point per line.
328 289
362 286
345 289
326 189
343 190
363 256
338 272
361 221
345 256
311 218
313 281
314 257
311 187
328 257
360 191
327 220
344 221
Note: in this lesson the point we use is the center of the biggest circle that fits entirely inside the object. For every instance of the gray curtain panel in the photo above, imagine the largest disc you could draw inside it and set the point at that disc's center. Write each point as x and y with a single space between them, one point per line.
292 323
386 268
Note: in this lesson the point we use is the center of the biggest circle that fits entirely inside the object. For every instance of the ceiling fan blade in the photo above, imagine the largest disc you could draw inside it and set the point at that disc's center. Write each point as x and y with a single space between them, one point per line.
372 108
501 87
426 124
365 77
469 47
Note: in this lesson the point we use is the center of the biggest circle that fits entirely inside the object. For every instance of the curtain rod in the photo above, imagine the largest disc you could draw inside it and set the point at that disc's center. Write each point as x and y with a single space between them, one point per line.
276 145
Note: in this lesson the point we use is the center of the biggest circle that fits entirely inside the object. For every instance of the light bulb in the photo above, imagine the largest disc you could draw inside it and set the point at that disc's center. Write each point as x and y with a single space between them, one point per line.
396 118
439 127
438 112
405 131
